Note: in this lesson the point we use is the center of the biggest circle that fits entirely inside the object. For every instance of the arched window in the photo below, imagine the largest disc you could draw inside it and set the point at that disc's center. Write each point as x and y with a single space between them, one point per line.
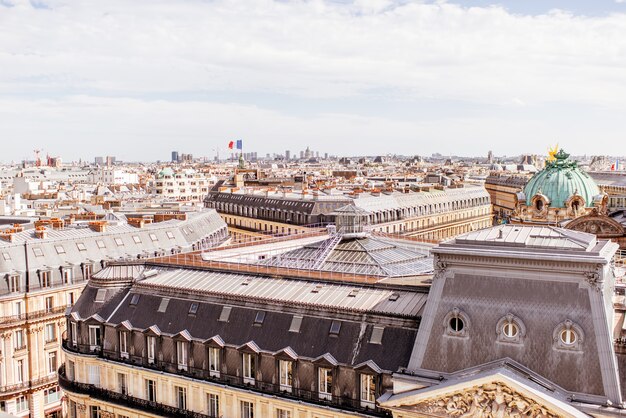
568 336
510 329
456 323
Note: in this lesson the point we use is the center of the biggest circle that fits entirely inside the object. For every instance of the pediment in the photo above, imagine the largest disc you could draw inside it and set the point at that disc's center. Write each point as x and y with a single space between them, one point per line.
287 352
183 335
326 360
603 226
215 341
125 325
153 330
250 347
497 394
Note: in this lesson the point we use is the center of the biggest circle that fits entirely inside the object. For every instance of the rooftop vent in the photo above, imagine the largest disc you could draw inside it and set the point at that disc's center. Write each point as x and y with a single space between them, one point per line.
163 305
335 327
225 313
296 322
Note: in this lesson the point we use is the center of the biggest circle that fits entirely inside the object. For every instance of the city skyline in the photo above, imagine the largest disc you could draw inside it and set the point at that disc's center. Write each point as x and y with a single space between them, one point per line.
394 77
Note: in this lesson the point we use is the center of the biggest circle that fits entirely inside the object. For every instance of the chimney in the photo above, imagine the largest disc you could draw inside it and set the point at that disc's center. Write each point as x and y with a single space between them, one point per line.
18 227
98 226
7 235
41 232
136 222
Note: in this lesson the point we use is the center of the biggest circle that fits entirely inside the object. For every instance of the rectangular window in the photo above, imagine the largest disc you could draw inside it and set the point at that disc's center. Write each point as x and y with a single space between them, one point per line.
19 371
94 337
68 276
46 278
296 322
151 394
153 237
51 395
181 397
17 308
286 375
368 390
249 369
20 343
87 268
50 332
325 383
151 343
181 354
60 249
136 239
214 361
49 303
37 251
74 332
71 370
335 327
163 305
119 241
72 410
124 344
122 384
213 405
21 403
81 246
225 314
282 413
247 409
14 283
94 411
170 234
100 244
70 298
93 375
6 256
52 362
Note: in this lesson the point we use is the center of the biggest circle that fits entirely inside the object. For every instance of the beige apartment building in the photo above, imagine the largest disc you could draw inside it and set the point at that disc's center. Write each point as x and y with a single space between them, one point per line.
44 268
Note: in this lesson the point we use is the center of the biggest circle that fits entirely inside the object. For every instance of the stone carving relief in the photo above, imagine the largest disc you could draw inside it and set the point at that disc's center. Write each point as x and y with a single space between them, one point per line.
492 400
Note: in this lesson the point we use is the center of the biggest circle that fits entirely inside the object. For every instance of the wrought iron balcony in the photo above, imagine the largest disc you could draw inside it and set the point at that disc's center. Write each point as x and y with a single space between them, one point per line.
259 386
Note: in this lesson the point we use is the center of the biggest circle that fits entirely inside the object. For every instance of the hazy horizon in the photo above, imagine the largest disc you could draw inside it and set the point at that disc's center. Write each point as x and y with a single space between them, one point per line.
366 77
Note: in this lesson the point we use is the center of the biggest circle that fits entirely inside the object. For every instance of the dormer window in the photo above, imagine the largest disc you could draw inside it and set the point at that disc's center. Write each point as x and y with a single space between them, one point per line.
568 336
124 344
45 278
94 337
181 354
214 361
456 323
249 368
325 383
13 282
510 329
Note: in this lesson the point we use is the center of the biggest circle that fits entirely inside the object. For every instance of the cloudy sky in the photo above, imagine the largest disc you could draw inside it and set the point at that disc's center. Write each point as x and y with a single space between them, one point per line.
138 79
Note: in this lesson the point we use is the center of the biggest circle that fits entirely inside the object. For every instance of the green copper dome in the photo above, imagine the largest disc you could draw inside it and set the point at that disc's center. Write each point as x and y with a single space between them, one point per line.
560 180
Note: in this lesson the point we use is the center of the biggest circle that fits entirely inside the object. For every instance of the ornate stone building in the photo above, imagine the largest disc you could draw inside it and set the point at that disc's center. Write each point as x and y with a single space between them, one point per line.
518 322
44 270
558 193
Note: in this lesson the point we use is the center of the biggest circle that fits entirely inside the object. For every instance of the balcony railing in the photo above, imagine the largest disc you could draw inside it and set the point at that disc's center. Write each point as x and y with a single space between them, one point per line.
28 384
259 386
12 319
127 401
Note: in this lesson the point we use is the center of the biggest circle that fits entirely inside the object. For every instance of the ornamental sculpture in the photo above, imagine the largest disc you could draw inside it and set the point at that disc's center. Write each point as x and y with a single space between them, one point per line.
492 400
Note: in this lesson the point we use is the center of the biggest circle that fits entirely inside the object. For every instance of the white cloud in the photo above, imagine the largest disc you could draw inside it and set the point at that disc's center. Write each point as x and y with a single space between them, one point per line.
302 49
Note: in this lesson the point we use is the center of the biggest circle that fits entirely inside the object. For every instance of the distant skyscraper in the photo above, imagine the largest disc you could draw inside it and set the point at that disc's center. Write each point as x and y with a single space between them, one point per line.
326 156
99 161
287 155
490 157
174 156
301 155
